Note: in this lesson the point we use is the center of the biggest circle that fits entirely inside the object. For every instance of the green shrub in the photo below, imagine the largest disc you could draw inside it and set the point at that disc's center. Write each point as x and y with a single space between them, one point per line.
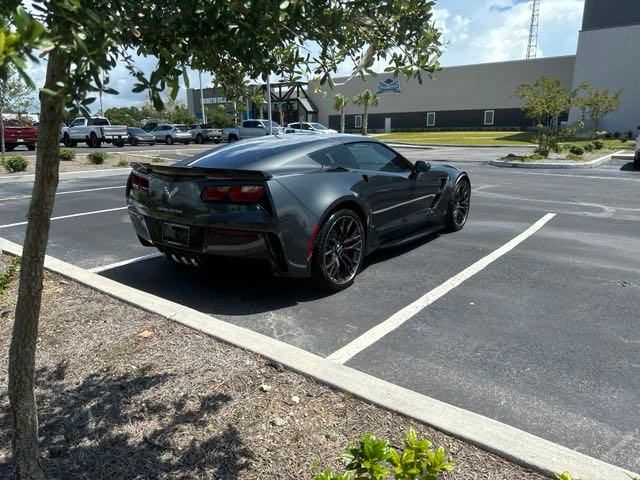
157 159
576 150
122 163
589 147
573 156
375 459
617 135
16 164
97 158
598 144
66 154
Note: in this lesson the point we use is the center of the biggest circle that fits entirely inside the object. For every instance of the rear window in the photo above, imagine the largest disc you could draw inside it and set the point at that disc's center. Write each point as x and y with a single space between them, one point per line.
182 128
98 121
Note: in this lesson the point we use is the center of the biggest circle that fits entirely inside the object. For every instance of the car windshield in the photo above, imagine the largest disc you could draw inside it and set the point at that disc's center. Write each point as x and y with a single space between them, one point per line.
318 126
182 128
136 131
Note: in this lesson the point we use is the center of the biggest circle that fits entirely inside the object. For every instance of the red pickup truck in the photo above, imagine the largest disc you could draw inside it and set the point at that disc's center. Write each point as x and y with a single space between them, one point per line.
15 134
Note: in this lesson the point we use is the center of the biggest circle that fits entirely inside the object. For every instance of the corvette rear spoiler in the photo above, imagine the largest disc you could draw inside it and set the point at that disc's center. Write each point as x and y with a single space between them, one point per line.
186 173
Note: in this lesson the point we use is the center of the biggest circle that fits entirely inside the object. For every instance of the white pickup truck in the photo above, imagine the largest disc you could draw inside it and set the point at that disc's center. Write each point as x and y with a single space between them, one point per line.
251 128
94 131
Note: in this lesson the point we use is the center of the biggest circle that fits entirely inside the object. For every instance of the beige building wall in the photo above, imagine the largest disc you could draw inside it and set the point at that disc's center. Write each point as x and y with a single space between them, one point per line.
468 87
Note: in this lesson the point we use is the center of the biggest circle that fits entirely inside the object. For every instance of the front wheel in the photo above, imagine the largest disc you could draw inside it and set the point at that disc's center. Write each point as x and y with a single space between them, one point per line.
66 140
31 147
459 206
133 142
199 139
169 140
216 140
338 251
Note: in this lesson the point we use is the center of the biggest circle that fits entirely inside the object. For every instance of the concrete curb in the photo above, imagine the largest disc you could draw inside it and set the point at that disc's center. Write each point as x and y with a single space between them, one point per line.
554 165
429 146
508 442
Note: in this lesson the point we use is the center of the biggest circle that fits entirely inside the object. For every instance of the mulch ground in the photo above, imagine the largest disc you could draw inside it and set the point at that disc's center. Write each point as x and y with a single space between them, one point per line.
124 394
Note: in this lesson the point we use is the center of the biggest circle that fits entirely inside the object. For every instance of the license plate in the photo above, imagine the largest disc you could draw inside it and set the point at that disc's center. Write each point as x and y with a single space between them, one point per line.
175 234
20 140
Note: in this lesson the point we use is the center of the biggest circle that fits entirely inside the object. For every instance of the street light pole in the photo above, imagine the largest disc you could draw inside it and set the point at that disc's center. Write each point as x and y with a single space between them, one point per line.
204 114
269 104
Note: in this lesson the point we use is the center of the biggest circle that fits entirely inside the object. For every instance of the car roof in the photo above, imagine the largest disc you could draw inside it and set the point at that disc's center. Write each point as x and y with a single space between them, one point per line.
271 153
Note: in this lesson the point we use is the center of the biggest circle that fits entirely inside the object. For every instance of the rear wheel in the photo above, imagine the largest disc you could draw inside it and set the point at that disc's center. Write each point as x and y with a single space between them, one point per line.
199 138
9 147
93 141
459 206
338 251
31 147
216 140
168 140
232 138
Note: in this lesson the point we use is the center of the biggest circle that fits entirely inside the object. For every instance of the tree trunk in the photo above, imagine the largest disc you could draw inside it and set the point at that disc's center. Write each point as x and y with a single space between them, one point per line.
365 119
342 120
2 155
595 123
26 457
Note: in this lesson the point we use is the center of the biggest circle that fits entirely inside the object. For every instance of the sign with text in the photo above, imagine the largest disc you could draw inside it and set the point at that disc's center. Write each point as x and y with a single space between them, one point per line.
388 85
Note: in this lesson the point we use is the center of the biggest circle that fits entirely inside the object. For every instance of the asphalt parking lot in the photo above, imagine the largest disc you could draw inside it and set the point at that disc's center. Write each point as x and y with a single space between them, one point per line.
544 338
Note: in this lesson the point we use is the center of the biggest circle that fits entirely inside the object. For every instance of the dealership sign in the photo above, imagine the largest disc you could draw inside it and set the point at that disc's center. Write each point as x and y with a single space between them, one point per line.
388 85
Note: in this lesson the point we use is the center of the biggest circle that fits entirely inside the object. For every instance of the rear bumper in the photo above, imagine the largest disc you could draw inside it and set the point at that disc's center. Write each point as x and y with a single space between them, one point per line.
21 141
210 241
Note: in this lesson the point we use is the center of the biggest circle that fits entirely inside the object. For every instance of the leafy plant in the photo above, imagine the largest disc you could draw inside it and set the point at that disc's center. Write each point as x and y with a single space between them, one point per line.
576 150
372 458
573 156
598 144
8 274
67 154
617 135
365 98
16 163
598 103
122 163
97 158
157 159
589 147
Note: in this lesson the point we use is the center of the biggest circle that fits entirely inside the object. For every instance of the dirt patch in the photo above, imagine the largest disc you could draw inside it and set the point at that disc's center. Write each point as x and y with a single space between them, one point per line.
126 394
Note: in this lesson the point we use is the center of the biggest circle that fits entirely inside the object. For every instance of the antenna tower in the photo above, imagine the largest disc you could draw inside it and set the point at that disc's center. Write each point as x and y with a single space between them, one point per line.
532 47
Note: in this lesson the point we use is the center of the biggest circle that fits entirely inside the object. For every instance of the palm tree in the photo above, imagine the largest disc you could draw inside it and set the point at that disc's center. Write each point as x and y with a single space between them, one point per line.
365 98
339 103
257 97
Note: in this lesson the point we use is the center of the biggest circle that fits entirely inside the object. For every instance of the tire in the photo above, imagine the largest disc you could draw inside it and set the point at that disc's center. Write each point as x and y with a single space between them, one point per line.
187 143
199 138
31 147
636 161
232 138
338 251
66 140
152 144
10 147
93 141
133 142
459 206
216 140
168 140
119 143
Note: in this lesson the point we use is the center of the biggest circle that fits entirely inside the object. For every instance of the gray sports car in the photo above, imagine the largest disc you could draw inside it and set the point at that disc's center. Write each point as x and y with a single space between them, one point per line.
312 205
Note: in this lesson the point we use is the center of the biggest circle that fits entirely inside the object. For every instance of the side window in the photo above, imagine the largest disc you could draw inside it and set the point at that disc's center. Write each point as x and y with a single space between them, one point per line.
78 122
250 124
305 126
336 156
294 125
376 157
431 119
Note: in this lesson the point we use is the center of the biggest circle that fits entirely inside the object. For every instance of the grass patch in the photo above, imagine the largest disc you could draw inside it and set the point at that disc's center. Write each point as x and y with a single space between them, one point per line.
157 159
461 138
607 143
122 163
8 274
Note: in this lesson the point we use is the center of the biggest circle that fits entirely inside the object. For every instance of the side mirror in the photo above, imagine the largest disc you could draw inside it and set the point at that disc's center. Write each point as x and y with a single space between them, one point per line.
420 167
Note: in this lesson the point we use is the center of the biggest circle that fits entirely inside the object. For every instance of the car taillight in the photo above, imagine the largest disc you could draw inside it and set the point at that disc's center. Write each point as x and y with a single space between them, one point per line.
140 183
233 193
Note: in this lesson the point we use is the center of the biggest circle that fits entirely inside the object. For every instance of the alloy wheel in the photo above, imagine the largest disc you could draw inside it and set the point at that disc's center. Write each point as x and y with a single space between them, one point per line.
462 203
343 250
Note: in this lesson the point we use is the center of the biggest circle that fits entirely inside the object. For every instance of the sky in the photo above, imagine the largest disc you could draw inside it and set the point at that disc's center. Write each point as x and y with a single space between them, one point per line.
474 31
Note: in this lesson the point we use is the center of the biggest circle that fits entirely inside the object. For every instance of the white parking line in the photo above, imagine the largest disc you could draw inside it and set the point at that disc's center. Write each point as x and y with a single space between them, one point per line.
24 197
396 320
125 262
67 216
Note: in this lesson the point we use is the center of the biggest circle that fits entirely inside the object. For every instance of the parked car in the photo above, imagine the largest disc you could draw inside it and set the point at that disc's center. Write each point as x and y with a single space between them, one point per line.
16 134
251 128
170 133
94 131
203 132
308 127
312 205
138 135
